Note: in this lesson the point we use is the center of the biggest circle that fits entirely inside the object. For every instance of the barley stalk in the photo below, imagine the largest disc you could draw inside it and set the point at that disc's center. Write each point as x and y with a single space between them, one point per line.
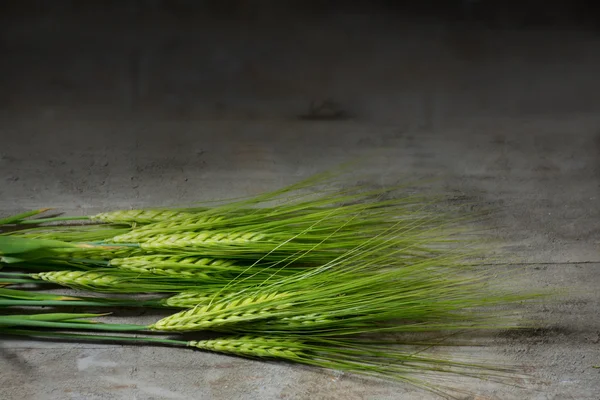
171 272
176 266
172 225
368 359
139 216
222 313
103 254
83 279
291 323
175 261
253 346
120 282
304 320
201 239
193 298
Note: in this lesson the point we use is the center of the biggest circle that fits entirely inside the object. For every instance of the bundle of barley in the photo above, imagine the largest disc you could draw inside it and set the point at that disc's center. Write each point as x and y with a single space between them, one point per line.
303 277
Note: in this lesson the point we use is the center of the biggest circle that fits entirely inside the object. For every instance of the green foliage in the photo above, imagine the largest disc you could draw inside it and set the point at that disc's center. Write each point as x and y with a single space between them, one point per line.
13 219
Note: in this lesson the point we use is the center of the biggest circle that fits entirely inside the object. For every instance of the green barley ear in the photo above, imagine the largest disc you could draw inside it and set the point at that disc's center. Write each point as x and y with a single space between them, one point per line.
169 272
78 279
195 240
193 298
139 216
225 312
178 266
313 319
103 280
125 252
176 263
382 359
181 223
72 233
253 346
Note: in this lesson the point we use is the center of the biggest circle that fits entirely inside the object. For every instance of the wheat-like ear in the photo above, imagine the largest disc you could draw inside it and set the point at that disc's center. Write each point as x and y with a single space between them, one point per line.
225 312
82 279
181 223
253 346
178 266
193 298
177 262
139 216
199 240
114 281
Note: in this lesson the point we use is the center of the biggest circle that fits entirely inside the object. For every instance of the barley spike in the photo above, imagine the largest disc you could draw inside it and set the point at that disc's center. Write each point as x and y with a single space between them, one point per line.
193 298
176 266
304 320
200 239
139 216
175 261
171 272
118 281
77 278
170 225
252 346
222 313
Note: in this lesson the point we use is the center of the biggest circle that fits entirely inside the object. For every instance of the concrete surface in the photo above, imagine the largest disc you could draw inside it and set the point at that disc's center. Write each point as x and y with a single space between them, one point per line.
97 113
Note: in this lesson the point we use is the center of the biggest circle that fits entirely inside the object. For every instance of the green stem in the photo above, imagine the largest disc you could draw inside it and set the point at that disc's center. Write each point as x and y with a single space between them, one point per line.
21 332
76 303
14 297
53 219
11 280
9 321
9 274
16 219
